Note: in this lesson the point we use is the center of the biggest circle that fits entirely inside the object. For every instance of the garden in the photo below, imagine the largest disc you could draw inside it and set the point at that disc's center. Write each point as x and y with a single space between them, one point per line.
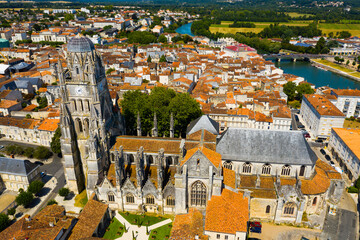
115 230
142 220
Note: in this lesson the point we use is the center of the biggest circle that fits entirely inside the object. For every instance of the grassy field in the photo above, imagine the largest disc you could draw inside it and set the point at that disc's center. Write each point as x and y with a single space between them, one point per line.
81 199
161 233
354 28
294 14
351 72
143 220
115 230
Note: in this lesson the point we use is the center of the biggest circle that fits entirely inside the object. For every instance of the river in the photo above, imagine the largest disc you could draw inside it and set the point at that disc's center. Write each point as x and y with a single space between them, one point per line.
185 29
317 76
303 69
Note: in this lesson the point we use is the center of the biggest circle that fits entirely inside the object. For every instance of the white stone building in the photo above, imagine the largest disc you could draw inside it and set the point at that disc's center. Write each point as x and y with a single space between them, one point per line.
344 145
320 115
347 101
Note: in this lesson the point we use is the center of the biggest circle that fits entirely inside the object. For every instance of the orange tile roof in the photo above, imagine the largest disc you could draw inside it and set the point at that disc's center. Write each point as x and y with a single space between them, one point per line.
347 92
212 156
186 226
318 184
323 105
229 177
4 103
351 137
49 125
228 213
29 108
89 220
21 123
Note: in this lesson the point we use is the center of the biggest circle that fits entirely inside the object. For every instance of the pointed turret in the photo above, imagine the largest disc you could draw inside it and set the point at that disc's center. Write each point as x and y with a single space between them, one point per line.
172 125
138 124
155 128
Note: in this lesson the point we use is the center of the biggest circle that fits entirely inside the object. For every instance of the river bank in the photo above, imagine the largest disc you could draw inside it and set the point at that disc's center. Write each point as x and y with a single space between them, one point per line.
348 74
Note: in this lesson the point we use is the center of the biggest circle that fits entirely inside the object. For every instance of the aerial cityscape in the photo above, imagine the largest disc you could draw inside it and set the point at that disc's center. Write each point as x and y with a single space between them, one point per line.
165 119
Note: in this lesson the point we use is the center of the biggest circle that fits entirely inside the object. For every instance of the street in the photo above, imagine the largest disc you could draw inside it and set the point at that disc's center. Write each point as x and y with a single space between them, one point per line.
53 168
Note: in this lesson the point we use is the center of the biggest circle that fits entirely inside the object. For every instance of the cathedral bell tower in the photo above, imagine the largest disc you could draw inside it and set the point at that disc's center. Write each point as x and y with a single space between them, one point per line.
88 119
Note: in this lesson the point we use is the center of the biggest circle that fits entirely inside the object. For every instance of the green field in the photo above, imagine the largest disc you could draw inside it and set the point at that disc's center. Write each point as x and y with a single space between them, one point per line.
294 14
354 28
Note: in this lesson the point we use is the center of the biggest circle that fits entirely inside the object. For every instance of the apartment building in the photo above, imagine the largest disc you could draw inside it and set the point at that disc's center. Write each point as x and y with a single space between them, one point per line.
320 115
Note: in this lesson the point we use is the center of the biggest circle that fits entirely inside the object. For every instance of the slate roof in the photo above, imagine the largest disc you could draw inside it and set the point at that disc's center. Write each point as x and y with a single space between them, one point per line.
203 122
270 146
16 166
80 44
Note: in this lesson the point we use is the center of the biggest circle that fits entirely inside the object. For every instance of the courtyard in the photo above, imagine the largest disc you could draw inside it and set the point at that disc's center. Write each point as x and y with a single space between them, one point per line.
133 226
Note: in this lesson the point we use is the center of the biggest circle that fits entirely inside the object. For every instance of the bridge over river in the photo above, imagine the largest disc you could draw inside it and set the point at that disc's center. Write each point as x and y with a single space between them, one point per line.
294 56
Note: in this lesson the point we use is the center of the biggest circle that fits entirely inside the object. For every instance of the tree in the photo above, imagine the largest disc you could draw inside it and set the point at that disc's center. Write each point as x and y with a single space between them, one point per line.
149 59
52 202
36 186
24 198
110 70
163 102
289 89
69 17
347 62
42 101
4 221
107 27
162 58
55 142
162 39
11 211
29 152
42 152
302 89
63 192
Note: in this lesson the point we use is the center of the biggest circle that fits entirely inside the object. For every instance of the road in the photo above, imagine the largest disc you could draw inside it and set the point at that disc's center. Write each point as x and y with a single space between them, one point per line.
52 168
293 120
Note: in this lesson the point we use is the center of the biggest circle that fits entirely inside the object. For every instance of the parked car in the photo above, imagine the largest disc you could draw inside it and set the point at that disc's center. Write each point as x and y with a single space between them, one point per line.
1 147
319 140
301 126
332 163
327 157
255 224
322 151
307 135
42 174
255 229
296 118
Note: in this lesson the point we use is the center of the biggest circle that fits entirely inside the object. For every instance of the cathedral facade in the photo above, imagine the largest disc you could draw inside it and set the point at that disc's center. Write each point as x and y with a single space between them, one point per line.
88 117
276 170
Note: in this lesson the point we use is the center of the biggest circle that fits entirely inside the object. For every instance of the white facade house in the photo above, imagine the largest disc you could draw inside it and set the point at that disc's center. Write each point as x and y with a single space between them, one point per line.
347 101
344 146
320 115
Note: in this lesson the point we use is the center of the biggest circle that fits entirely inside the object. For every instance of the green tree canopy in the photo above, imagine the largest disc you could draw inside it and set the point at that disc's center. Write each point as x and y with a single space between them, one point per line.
24 198
63 192
4 221
55 142
149 59
11 211
162 58
162 39
163 102
289 89
36 186
42 152
302 89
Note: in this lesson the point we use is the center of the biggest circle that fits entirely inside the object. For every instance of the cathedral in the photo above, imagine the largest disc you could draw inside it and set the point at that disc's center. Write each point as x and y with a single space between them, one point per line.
275 169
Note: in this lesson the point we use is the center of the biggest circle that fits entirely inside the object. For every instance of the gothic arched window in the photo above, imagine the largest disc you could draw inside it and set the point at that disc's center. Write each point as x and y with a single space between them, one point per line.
289 208
130 198
78 125
285 171
266 169
228 165
314 201
267 209
111 197
169 161
150 159
170 201
247 168
86 126
198 194
150 199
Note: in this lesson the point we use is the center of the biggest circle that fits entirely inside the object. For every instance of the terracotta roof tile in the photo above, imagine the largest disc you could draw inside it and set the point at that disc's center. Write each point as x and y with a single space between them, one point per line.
228 213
